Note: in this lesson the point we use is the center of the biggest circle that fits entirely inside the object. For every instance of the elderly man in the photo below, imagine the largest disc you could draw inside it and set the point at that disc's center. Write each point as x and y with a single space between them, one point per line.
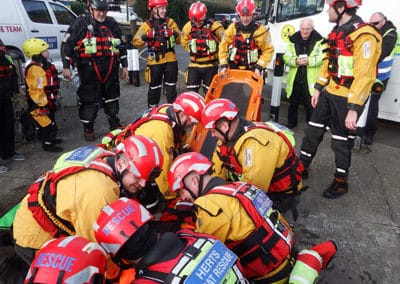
303 56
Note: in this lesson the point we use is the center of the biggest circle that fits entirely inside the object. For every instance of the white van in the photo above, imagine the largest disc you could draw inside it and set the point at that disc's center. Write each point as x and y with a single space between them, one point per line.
24 19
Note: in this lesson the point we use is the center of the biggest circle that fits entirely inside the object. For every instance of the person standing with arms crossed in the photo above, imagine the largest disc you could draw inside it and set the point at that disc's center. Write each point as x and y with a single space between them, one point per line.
93 43
342 88
160 33
385 62
303 56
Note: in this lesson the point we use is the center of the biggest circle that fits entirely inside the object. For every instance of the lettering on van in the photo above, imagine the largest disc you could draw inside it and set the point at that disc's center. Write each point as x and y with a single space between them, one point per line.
10 28
51 40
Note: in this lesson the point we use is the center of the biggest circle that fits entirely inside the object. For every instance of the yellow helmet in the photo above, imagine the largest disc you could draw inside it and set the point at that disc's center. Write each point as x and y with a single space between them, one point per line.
34 46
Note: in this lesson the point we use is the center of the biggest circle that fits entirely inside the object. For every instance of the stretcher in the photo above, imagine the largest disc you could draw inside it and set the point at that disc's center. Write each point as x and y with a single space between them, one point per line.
244 89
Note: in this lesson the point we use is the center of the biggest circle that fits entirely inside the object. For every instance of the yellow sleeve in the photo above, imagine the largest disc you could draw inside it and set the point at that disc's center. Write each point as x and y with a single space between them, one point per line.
161 132
81 196
323 75
218 29
223 217
264 42
260 154
138 42
185 36
223 48
366 51
36 81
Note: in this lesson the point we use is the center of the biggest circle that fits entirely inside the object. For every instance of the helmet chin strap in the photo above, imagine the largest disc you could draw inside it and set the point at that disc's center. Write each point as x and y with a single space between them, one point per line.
340 15
225 135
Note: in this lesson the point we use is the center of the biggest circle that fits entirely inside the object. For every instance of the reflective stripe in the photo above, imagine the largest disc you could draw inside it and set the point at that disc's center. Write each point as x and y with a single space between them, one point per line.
338 137
323 79
341 170
315 124
111 100
170 84
305 153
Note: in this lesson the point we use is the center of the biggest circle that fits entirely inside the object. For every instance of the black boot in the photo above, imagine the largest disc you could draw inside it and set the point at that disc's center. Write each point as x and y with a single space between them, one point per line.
338 187
50 147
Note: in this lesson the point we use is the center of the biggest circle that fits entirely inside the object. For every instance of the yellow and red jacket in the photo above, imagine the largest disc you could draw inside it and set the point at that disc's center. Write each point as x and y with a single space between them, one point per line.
160 36
275 168
202 43
241 215
246 48
351 68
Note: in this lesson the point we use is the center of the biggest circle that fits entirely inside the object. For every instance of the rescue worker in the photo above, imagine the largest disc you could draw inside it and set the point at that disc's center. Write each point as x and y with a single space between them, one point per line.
241 215
65 201
246 44
160 34
72 259
169 258
93 44
238 214
201 37
42 87
8 86
342 88
167 125
304 55
255 152
385 62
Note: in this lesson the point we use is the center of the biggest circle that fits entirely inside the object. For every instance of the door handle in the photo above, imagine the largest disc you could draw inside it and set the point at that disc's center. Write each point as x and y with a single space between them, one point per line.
34 31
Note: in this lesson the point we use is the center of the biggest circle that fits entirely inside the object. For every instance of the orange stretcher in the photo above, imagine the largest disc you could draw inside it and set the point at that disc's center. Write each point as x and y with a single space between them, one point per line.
244 89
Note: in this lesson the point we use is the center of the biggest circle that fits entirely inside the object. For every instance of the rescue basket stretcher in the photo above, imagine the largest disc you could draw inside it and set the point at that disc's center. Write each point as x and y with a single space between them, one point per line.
244 89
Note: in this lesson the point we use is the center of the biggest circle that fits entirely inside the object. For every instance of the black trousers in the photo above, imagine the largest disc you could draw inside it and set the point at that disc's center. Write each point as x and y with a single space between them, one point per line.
300 96
7 129
200 77
330 111
162 74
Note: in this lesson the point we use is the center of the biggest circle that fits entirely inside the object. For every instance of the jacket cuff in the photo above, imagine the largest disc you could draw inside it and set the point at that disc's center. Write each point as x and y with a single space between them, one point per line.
318 86
355 107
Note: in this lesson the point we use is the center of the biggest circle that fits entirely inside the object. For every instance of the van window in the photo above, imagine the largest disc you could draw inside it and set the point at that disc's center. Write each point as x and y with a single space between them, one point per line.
37 11
289 10
63 16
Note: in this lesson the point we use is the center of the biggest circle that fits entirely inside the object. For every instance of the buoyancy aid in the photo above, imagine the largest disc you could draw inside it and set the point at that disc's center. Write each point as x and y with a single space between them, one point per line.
286 178
96 45
43 192
244 51
341 61
189 257
155 113
271 243
53 83
203 42
161 38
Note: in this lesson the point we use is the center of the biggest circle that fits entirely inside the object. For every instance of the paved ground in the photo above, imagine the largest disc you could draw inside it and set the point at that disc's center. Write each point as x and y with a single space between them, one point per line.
364 223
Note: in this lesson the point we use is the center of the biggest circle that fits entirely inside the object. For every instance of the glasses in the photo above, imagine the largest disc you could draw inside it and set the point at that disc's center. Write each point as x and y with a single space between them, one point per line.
376 23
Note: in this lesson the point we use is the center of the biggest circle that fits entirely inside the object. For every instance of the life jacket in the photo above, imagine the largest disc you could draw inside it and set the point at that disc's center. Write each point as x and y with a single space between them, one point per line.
43 192
244 51
285 179
270 244
161 38
341 61
153 113
203 41
53 82
196 258
104 44
6 70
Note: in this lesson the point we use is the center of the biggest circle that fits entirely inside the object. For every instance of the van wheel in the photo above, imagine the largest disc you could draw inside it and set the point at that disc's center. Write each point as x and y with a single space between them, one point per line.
19 62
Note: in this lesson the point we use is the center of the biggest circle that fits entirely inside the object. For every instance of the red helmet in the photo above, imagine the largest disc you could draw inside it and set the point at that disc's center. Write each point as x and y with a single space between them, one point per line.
156 3
349 3
246 7
185 164
72 259
197 11
119 221
144 156
192 104
217 109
